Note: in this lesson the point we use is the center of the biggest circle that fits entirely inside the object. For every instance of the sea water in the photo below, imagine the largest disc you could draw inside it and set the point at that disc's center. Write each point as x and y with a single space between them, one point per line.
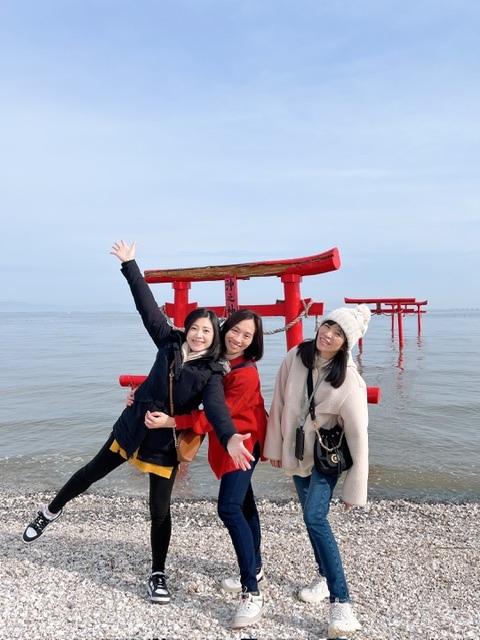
60 396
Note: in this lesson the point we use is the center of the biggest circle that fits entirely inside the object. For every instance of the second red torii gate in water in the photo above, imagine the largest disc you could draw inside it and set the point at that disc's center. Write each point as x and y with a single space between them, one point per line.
394 307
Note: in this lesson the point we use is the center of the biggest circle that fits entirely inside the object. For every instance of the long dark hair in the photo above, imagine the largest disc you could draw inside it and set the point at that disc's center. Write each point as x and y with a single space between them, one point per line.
336 368
215 350
254 351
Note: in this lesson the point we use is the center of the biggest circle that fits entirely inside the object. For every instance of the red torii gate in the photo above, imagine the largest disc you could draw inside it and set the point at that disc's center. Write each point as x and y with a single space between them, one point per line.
290 272
394 307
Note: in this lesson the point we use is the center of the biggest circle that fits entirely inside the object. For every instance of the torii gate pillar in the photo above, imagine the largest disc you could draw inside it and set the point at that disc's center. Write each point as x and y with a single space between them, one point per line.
182 306
291 287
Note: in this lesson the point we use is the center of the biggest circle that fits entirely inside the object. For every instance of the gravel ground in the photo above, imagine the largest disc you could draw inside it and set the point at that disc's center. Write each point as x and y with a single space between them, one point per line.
413 571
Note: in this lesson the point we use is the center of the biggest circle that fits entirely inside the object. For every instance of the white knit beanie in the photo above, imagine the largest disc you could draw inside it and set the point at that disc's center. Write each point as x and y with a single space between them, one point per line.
353 322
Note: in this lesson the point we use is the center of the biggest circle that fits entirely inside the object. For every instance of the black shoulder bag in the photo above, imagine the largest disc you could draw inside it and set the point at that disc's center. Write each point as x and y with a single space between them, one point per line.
331 455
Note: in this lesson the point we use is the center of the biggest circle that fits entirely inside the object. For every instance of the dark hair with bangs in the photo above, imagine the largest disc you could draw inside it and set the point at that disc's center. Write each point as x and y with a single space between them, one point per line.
254 351
215 350
336 368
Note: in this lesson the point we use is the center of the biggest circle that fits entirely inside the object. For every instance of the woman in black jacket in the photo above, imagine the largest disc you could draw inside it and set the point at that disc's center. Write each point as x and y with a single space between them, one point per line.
198 379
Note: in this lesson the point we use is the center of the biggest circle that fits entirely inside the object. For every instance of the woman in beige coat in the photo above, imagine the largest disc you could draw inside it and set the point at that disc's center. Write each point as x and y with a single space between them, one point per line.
339 397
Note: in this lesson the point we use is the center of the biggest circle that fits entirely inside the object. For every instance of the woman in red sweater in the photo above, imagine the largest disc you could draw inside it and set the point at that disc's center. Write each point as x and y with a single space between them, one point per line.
242 335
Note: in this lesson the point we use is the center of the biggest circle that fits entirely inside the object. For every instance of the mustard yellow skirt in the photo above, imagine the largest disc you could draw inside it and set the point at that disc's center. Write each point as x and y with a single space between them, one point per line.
146 467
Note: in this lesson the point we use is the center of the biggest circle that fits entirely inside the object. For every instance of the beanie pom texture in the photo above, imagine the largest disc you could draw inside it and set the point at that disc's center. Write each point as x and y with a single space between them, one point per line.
353 322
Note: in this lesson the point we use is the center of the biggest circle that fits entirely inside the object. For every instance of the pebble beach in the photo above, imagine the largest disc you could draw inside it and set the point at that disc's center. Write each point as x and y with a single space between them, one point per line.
413 571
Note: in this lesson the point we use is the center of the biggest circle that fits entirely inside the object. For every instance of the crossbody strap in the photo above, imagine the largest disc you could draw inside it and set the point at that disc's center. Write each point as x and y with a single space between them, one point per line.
310 397
247 363
170 387
311 393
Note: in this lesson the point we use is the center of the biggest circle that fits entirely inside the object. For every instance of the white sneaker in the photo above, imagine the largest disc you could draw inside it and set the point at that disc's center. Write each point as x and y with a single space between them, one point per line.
249 610
342 621
233 584
316 592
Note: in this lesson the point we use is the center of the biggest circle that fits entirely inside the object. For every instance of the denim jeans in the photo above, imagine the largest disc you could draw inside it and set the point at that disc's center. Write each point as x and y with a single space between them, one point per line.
315 493
238 512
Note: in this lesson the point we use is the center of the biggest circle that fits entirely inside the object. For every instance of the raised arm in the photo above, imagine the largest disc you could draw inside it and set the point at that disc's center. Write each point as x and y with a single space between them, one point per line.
123 251
153 319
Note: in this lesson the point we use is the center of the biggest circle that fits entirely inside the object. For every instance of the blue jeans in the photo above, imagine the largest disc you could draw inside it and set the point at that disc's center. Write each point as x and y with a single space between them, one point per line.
315 493
238 512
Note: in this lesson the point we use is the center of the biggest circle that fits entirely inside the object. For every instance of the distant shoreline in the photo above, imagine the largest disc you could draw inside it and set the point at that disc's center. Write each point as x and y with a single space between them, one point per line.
26 307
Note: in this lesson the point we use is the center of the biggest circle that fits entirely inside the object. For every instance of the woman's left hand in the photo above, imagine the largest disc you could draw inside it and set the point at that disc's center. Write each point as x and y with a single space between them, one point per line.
156 419
238 451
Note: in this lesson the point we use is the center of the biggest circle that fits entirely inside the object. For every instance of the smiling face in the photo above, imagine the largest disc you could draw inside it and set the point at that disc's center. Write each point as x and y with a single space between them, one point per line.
200 335
238 338
330 339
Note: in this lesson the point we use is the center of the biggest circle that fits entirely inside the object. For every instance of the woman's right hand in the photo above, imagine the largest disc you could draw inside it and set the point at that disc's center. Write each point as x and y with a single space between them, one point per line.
158 420
276 463
123 251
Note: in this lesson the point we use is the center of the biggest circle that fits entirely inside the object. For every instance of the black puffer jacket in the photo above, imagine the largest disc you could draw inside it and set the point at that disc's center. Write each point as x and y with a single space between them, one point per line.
196 382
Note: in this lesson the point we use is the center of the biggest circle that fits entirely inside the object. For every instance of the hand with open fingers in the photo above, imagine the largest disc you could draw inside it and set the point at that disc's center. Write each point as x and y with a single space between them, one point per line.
123 251
238 451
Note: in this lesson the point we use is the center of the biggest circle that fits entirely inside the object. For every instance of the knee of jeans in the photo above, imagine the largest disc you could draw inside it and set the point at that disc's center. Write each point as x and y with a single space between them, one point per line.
314 519
228 510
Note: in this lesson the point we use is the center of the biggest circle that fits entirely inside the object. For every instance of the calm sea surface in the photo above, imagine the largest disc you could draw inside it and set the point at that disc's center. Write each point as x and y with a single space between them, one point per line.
60 397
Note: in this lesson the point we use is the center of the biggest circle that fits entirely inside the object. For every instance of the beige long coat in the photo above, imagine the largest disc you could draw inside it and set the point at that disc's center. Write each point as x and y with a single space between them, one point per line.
346 405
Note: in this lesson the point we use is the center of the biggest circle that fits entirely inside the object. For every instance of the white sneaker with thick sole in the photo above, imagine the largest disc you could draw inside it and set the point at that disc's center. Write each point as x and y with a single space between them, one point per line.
342 620
316 592
249 610
233 584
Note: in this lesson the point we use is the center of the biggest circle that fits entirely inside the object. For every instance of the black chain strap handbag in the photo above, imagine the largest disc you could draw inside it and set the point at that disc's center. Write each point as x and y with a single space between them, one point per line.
331 455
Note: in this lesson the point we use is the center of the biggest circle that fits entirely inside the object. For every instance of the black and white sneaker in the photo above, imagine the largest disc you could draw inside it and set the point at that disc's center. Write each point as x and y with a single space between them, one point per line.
157 588
38 526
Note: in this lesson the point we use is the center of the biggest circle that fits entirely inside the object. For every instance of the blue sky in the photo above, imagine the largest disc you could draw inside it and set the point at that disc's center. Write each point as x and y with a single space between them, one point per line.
229 131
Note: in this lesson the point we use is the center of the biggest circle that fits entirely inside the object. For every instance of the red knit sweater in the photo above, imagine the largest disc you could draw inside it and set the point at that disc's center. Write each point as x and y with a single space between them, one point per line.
245 401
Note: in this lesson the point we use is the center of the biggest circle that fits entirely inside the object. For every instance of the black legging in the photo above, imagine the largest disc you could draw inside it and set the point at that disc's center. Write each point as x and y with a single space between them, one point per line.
159 499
